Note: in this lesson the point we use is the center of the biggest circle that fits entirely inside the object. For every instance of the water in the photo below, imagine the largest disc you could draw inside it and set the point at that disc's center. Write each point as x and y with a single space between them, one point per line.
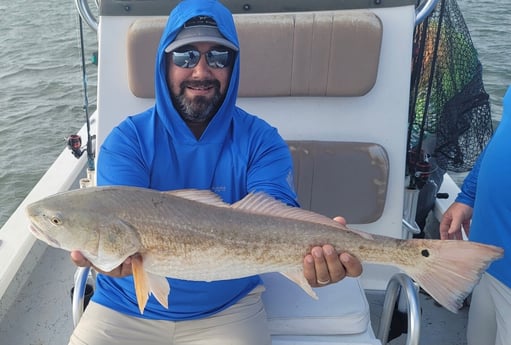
41 93
489 23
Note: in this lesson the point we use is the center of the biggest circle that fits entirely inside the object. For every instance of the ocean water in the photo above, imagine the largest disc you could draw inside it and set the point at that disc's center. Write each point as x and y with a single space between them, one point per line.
42 94
489 23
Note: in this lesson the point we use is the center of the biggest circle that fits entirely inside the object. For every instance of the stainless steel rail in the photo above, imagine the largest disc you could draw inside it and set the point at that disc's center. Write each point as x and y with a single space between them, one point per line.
400 282
423 10
81 276
84 10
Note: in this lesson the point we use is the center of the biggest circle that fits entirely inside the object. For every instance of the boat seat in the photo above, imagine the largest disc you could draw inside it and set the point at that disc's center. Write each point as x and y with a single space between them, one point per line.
323 169
347 313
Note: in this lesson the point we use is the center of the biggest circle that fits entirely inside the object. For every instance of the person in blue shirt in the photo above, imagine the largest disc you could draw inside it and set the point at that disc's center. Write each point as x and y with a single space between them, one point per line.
196 137
483 210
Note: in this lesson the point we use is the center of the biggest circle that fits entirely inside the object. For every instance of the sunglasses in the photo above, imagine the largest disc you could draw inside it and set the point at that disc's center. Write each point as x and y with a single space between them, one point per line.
215 58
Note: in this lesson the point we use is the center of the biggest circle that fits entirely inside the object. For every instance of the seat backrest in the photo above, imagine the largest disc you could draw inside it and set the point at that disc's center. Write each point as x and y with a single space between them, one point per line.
293 54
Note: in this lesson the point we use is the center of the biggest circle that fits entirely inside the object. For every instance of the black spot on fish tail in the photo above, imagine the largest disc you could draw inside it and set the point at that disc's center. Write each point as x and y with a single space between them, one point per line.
425 253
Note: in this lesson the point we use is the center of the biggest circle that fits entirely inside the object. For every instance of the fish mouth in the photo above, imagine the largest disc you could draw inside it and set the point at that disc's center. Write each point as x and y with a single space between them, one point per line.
42 236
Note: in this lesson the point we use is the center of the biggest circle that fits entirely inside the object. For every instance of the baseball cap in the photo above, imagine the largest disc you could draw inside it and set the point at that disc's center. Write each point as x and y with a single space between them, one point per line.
199 29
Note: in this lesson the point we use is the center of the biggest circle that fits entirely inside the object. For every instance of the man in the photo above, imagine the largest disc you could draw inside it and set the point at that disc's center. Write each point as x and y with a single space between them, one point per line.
485 200
196 137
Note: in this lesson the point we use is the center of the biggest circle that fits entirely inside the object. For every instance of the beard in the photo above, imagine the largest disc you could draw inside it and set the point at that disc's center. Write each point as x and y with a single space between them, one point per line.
199 108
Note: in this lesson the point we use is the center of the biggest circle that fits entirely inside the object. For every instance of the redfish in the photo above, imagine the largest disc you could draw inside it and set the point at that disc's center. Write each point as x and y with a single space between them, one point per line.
194 235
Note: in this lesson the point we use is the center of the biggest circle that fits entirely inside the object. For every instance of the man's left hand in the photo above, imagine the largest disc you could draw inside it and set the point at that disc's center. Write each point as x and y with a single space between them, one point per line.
325 266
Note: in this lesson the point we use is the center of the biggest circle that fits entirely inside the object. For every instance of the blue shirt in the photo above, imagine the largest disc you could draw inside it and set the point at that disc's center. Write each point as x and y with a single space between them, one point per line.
238 153
487 188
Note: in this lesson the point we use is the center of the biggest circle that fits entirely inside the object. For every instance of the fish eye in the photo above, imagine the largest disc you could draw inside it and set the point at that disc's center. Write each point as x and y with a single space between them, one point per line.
55 220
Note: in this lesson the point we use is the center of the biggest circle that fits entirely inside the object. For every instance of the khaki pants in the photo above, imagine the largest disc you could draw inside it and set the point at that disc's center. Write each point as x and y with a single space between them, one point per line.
489 318
241 324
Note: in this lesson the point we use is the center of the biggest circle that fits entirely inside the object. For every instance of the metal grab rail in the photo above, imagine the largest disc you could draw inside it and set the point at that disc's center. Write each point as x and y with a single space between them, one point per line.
84 10
81 276
423 10
410 227
401 282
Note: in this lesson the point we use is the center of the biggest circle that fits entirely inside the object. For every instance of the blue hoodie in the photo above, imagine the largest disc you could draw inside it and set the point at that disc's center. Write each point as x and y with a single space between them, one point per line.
487 188
238 153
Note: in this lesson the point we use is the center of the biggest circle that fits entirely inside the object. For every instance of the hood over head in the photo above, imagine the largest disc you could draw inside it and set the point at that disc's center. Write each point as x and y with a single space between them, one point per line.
199 29
219 28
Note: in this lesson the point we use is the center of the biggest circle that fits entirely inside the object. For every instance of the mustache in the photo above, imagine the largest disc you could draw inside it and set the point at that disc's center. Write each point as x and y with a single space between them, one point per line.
200 84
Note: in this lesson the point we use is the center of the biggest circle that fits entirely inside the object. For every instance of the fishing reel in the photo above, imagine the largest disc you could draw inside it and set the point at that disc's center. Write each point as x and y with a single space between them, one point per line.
419 167
74 143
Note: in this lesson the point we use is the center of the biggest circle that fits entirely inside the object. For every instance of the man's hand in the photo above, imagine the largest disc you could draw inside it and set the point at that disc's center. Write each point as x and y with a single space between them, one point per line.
458 215
325 266
122 270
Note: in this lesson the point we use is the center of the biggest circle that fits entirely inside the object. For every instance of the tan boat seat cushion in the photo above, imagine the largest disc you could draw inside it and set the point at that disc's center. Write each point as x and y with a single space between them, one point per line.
287 54
341 178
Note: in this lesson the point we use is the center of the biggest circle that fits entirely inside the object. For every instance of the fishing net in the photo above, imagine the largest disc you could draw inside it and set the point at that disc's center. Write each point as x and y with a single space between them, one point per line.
450 116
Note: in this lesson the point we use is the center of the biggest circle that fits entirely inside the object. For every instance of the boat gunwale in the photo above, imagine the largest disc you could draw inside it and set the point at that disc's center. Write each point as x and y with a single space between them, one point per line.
16 240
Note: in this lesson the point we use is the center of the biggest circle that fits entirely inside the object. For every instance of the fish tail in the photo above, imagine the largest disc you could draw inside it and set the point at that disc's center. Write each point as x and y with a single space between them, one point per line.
449 269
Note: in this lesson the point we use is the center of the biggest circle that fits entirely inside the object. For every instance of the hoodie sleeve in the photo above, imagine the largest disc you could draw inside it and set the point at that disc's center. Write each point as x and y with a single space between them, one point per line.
270 169
467 195
120 160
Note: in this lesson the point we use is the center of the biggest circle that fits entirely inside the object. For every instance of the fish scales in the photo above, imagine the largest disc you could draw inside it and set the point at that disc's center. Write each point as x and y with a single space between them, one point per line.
194 235
218 252
259 244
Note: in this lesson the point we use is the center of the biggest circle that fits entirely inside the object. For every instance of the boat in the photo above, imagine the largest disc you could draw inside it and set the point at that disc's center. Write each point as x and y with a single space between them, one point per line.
344 114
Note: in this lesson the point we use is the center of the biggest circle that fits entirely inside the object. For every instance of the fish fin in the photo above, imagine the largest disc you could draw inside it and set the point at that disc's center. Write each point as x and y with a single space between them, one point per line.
141 280
262 203
147 283
199 195
160 288
363 234
111 252
299 279
449 269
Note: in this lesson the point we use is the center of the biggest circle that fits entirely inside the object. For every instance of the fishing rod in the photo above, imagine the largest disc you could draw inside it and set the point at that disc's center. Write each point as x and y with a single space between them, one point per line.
74 141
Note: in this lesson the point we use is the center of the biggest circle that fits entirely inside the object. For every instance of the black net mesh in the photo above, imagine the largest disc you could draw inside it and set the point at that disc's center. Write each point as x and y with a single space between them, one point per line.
448 100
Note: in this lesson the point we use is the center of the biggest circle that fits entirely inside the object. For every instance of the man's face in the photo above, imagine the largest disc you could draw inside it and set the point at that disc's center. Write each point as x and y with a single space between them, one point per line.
198 92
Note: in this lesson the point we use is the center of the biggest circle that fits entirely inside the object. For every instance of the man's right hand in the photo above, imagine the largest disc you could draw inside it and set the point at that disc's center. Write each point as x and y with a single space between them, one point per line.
458 215
122 270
